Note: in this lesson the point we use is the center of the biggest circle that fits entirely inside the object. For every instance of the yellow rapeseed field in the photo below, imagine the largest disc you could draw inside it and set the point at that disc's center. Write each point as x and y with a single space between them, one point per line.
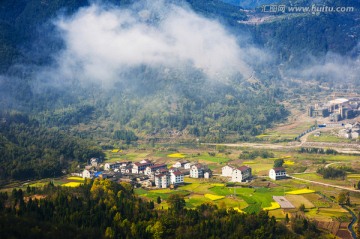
218 184
274 205
289 162
300 191
176 155
72 184
76 178
238 209
213 197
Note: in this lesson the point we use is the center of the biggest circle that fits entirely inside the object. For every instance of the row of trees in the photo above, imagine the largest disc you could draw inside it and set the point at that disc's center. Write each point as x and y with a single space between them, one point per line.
256 153
331 172
317 151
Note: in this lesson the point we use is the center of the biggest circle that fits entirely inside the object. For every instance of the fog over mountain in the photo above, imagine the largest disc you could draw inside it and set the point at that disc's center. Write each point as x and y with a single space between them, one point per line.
102 42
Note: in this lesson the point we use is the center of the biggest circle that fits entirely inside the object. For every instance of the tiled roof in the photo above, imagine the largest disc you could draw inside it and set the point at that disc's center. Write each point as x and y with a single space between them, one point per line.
279 169
158 166
243 168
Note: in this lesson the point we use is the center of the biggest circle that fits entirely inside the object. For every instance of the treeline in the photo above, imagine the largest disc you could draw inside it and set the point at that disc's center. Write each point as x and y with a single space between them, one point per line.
28 150
126 135
256 153
103 209
317 151
331 173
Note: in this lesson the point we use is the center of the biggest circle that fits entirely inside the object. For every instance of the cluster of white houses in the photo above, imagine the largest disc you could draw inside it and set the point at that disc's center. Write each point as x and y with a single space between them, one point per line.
243 173
162 176
158 174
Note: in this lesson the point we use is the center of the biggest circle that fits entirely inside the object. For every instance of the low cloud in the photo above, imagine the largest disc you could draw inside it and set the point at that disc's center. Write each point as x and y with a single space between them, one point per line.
338 70
103 43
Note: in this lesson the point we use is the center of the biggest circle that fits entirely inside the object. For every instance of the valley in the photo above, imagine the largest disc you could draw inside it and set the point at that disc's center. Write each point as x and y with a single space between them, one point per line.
179 119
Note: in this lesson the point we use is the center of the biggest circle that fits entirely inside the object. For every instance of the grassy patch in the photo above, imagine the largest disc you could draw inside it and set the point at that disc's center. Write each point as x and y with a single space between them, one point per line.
253 208
215 159
218 184
223 191
196 200
297 200
327 137
38 185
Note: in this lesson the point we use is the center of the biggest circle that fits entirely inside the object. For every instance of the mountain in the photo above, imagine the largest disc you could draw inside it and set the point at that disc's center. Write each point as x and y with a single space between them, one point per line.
207 72
250 4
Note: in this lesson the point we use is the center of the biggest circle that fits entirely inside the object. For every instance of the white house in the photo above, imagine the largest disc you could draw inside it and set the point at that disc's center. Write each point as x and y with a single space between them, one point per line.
187 165
241 174
141 166
162 180
208 174
198 171
277 173
155 168
176 177
173 169
180 164
227 171
86 174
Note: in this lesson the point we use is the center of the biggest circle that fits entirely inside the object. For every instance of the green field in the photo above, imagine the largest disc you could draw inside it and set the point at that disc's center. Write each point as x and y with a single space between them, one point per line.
318 178
327 137
196 192
215 159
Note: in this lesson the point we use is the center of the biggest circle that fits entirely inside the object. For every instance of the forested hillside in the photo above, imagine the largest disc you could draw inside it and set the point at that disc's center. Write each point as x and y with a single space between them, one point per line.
29 151
155 99
103 209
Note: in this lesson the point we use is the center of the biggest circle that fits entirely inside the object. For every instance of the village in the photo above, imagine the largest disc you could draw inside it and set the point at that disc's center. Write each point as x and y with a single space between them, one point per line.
150 174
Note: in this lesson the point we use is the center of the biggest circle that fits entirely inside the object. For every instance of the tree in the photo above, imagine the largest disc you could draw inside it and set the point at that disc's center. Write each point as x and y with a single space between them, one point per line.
158 200
151 205
278 163
302 207
176 202
358 185
287 218
109 233
344 198
157 230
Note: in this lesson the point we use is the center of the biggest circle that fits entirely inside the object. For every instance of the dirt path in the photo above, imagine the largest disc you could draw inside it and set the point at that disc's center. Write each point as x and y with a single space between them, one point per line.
329 164
325 184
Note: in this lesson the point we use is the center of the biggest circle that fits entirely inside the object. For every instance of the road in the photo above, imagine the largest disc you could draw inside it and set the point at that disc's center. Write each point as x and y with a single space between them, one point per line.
339 147
325 184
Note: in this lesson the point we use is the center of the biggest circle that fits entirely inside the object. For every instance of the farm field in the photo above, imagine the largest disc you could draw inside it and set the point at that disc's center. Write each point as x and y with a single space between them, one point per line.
196 192
297 200
244 197
328 214
319 178
327 137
